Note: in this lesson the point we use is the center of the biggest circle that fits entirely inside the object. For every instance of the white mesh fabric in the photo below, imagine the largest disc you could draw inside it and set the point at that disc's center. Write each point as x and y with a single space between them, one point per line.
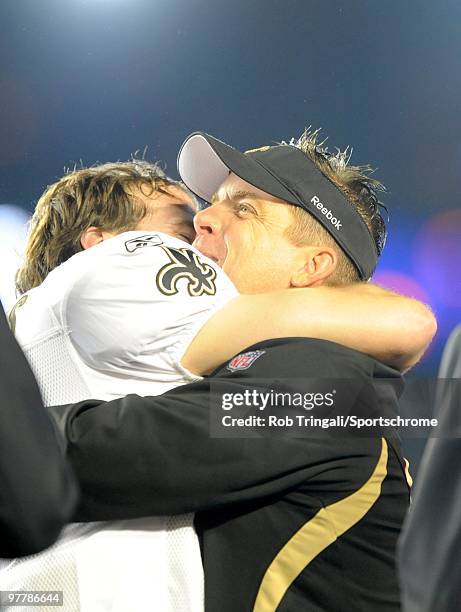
182 565
59 380
53 570
66 566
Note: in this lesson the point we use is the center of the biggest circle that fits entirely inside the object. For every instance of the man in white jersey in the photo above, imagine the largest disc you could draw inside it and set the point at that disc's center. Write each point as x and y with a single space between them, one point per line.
99 316
100 325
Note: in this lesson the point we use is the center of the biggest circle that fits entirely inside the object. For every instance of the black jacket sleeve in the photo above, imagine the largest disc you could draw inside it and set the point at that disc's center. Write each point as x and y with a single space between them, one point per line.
37 491
140 456
429 547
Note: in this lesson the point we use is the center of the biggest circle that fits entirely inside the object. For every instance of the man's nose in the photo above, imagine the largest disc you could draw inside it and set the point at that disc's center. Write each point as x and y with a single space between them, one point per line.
206 221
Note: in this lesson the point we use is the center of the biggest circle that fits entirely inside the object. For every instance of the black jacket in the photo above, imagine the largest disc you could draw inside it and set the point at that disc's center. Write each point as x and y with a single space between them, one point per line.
287 523
37 491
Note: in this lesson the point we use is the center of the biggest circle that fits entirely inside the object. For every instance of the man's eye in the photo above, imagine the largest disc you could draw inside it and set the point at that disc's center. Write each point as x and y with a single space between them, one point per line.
244 209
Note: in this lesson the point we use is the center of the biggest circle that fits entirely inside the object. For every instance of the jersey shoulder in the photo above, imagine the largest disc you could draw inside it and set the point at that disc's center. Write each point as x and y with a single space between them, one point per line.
38 312
177 267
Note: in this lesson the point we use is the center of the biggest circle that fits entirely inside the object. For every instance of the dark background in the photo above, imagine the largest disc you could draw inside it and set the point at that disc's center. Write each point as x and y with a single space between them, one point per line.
97 80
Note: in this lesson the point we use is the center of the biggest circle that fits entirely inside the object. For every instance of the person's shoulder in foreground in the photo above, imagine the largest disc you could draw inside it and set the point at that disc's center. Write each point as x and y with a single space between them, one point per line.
450 365
37 490
428 555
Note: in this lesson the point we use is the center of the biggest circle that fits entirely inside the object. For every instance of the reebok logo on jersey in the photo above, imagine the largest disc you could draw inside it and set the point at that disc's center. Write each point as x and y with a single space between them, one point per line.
327 212
142 241
244 361
186 264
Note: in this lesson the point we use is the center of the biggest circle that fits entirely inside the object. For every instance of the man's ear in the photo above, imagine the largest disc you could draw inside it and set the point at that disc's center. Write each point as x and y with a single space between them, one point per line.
92 236
320 262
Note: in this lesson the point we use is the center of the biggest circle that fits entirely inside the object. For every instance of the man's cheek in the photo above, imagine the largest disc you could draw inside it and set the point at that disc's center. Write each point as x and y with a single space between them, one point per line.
232 250
239 269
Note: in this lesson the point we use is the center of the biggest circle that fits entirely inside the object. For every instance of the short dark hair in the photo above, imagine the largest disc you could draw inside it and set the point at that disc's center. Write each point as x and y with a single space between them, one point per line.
356 184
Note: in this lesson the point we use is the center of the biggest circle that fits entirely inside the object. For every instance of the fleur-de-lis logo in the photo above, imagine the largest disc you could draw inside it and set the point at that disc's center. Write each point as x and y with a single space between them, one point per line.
186 264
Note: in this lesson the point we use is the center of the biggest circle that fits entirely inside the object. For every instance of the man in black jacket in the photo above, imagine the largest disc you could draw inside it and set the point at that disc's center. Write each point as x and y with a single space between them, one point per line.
286 522
37 491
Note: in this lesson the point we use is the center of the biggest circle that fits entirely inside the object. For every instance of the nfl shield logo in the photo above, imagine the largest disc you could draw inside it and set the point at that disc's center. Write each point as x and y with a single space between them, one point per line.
244 361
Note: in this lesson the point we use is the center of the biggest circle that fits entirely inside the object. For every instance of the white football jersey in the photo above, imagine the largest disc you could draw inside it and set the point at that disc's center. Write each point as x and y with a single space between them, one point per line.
112 320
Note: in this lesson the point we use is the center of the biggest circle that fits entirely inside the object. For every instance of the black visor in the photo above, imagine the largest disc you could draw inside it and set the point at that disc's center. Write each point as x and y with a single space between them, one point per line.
286 173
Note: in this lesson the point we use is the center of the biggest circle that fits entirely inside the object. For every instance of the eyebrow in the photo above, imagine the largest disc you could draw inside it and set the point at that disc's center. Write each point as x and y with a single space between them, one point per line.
239 194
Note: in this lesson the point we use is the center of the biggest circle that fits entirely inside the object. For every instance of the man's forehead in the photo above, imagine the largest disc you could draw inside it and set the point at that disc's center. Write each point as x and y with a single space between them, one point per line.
165 196
235 188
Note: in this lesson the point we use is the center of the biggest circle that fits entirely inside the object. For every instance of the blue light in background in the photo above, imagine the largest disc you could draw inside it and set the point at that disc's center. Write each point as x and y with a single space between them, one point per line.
437 257
423 260
13 230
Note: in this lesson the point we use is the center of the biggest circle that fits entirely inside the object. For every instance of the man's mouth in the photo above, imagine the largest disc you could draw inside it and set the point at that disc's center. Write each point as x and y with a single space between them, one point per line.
208 253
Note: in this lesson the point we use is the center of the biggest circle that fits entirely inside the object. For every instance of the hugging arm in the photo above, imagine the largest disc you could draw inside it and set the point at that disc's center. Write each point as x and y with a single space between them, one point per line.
391 328
144 456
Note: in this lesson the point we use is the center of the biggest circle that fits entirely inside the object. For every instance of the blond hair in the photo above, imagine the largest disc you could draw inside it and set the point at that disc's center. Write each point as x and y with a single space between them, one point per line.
360 190
99 196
